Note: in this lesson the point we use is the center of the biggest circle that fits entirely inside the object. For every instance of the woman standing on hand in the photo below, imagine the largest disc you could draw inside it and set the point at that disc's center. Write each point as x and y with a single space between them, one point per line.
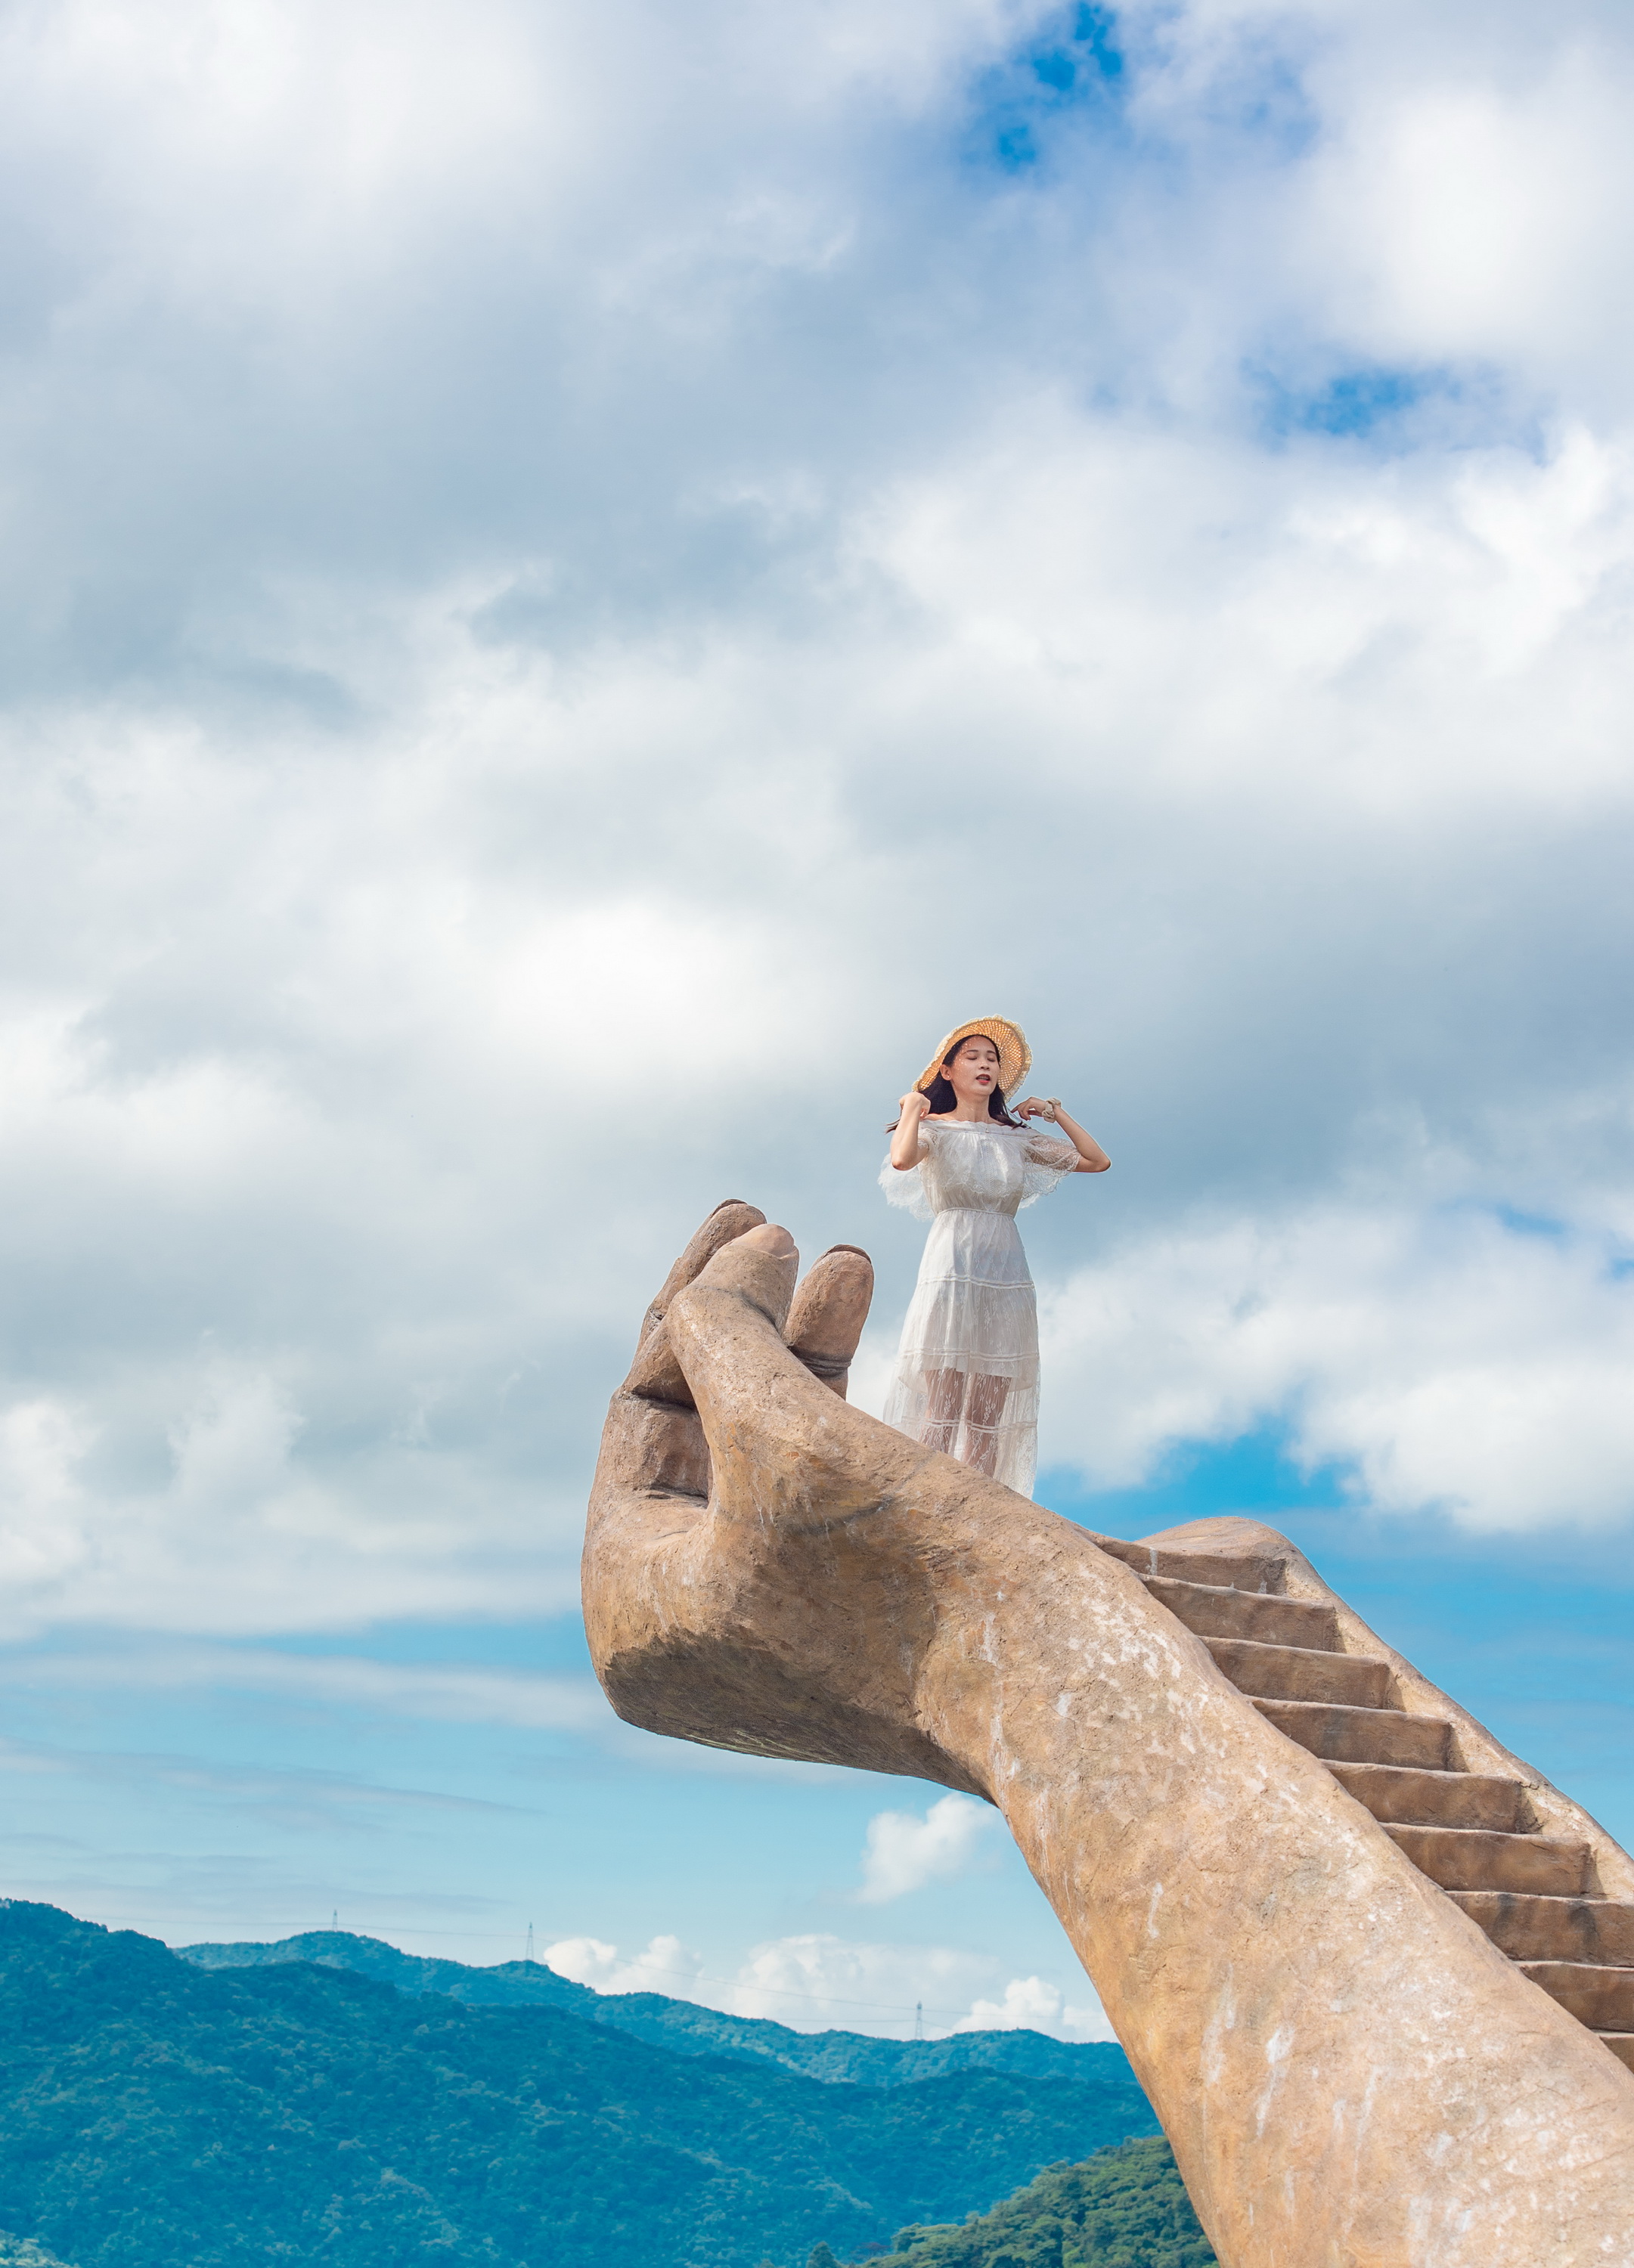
966 1372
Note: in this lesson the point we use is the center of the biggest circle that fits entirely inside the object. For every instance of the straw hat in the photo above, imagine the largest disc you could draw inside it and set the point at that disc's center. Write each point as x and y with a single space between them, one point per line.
1015 1057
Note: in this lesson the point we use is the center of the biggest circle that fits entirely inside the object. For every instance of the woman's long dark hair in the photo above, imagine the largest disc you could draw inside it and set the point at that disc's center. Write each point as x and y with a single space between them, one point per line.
942 1098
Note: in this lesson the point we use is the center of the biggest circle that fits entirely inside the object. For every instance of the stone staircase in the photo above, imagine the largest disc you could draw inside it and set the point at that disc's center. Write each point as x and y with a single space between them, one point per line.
1476 1834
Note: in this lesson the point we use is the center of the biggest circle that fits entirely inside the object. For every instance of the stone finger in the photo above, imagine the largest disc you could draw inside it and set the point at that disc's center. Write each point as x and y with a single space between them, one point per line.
655 1375
761 1267
829 1310
730 1218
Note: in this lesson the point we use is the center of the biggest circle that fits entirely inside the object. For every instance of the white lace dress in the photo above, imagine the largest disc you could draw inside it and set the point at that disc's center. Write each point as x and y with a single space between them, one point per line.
966 1372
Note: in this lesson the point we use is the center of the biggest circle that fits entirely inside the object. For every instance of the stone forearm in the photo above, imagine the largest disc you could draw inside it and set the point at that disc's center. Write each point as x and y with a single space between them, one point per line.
1350 2074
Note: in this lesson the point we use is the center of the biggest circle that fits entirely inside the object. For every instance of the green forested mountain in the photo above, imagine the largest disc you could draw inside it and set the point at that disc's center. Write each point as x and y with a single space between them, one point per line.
1126 2208
22 2252
157 2114
680 2026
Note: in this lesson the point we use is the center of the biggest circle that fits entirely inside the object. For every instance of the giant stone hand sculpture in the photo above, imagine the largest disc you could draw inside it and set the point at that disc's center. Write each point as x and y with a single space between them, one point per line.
1352 2031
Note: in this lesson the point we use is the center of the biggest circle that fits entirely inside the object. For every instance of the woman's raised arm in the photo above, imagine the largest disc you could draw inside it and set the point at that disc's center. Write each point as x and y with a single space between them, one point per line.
1092 1158
906 1150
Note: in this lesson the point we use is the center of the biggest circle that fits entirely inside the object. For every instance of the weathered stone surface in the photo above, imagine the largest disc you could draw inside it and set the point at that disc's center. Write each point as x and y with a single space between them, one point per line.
1351 2073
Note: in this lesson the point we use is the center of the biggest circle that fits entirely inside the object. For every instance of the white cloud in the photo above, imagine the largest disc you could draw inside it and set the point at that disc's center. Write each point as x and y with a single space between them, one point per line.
1031 2005
666 1966
466 1695
577 583
1451 1357
1466 211
233 1446
460 833
41 1542
817 1982
904 1852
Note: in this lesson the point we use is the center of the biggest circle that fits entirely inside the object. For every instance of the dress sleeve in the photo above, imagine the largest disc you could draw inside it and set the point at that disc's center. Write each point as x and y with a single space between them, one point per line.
1043 1164
906 1190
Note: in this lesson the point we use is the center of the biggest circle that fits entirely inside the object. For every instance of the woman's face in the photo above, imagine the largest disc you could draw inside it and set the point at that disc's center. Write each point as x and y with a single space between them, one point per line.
973 1071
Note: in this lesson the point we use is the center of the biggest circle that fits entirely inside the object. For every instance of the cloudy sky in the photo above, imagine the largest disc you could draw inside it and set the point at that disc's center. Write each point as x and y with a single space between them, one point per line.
579 582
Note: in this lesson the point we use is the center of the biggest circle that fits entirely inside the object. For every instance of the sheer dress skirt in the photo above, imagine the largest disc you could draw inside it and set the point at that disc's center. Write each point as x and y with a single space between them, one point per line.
966 1370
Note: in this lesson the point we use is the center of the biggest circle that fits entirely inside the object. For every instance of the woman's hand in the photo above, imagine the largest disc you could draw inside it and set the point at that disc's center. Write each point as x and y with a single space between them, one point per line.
914 1105
1032 1107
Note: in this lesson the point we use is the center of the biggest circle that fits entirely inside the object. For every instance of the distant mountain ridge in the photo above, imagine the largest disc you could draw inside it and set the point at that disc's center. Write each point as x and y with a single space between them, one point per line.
161 2113
837 2058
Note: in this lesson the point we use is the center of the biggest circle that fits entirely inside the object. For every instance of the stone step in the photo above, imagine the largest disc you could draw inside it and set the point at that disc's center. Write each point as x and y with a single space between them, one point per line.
1213 1612
1252 1575
1362 1736
1473 1858
1408 1797
1602 1999
1297 1673
1598 1932
1467 1832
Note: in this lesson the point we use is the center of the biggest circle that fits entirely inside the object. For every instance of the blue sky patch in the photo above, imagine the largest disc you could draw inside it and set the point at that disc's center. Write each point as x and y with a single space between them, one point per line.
1079 65
1256 1474
1393 407
1351 404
